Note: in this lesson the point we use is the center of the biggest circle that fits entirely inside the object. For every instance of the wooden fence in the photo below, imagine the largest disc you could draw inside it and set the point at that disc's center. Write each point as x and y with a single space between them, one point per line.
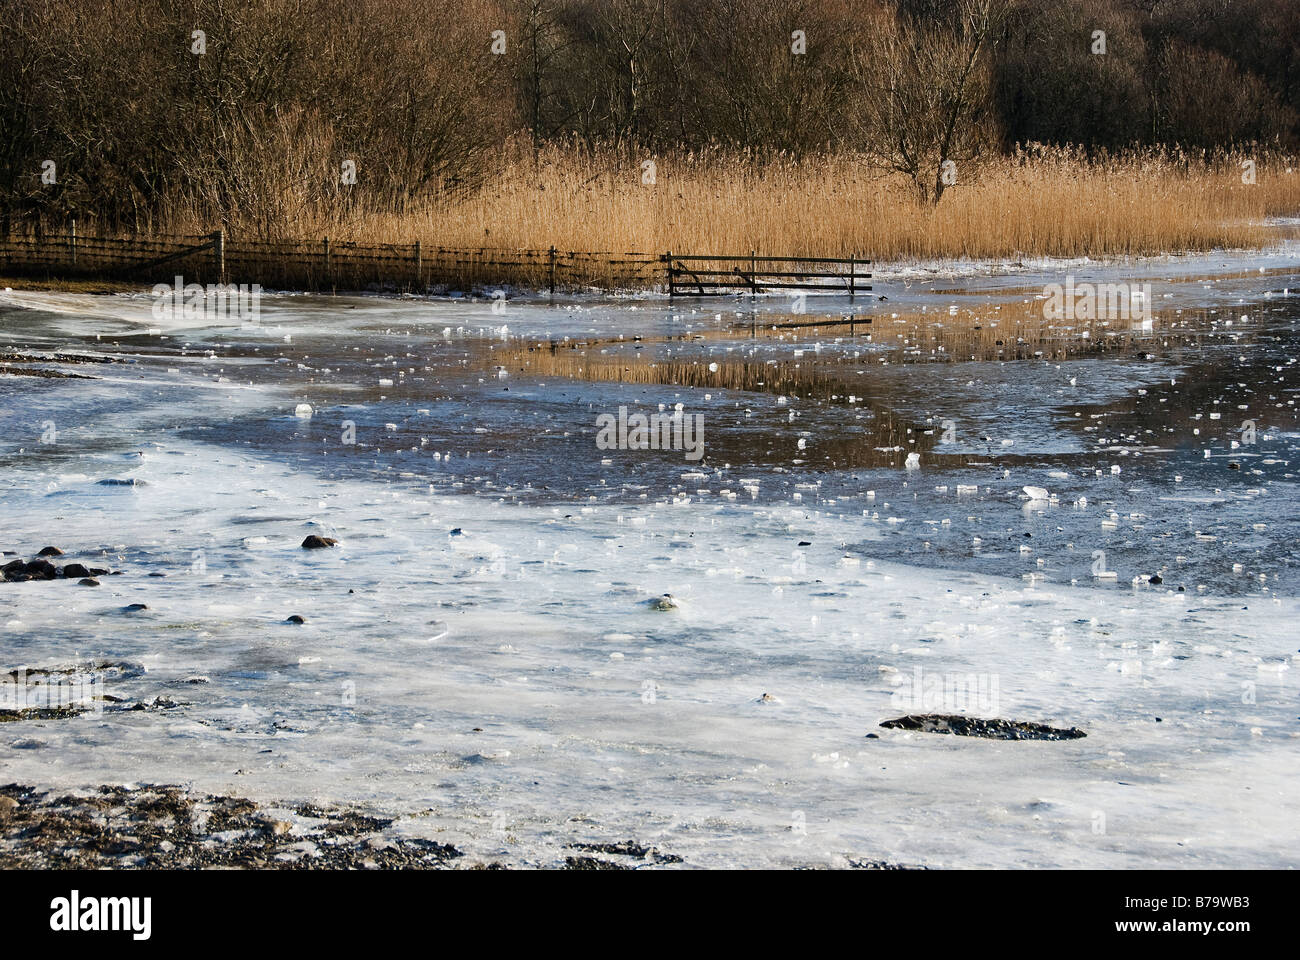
705 275
327 264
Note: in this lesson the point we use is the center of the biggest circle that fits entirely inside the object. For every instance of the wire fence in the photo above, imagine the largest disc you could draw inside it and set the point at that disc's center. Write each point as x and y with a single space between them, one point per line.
415 267
322 264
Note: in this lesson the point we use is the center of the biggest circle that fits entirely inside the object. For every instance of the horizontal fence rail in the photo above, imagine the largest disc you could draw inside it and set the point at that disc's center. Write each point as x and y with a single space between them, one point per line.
706 274
328 264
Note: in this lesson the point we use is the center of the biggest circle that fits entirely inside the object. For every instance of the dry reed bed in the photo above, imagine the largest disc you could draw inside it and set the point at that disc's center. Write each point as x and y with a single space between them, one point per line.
1048 205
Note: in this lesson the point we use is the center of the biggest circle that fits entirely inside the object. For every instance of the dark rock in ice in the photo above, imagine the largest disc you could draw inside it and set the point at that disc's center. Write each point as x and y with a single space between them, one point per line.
40 570
666 602
50 552
456 532
166 827
592 863
1156 579
88 582
71 570
883 865
134 607
97 571
976 727
13 567
115 482
313 542
295 618
628 848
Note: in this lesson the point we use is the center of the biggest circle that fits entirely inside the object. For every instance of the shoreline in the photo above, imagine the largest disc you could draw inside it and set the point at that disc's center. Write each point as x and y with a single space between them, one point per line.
168 827
1281 255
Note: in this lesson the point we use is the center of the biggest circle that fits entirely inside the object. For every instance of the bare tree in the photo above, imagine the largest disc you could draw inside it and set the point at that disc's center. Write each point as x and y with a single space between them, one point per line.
926 93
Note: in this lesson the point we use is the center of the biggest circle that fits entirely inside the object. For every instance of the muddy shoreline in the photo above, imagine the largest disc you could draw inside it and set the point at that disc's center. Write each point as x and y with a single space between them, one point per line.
166 827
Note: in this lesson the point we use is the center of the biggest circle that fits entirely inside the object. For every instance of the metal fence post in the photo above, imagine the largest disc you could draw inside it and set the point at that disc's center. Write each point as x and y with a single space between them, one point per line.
219 255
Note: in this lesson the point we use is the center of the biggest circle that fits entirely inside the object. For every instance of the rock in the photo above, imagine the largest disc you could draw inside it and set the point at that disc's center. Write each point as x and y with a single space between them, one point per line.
134 607
50 552
666 602
313 542
295 618
96 571
71 570
8 806
961 726
882 865
1156 579
88 582
40 570
13 567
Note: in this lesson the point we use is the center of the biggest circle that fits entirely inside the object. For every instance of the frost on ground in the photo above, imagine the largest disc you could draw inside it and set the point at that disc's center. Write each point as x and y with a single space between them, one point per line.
366 557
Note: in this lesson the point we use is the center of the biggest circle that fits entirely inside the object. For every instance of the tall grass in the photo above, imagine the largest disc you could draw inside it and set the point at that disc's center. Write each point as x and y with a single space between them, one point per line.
1033 203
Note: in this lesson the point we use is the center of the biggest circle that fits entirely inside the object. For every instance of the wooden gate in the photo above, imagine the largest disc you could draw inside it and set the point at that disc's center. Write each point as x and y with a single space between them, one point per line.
702 276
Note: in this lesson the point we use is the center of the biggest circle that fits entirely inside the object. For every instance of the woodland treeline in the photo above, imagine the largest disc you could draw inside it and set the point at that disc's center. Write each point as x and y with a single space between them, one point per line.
122 112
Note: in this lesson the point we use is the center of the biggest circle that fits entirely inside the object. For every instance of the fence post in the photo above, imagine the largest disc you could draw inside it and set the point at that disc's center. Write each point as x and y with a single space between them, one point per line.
753 271
219 255
72 243
419 267
326 244
552 255
853 274
668 260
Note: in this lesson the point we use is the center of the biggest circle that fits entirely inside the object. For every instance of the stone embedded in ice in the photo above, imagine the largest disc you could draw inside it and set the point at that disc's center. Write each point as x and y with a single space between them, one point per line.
303 411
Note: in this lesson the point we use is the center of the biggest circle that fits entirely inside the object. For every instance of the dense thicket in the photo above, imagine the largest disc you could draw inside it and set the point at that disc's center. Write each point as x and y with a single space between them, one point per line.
422 95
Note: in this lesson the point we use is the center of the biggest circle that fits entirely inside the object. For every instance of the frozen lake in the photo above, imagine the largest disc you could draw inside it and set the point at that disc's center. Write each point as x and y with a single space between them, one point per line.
483 655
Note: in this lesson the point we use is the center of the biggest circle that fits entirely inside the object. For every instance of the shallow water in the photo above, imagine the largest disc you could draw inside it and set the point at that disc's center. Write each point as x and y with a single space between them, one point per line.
479 653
